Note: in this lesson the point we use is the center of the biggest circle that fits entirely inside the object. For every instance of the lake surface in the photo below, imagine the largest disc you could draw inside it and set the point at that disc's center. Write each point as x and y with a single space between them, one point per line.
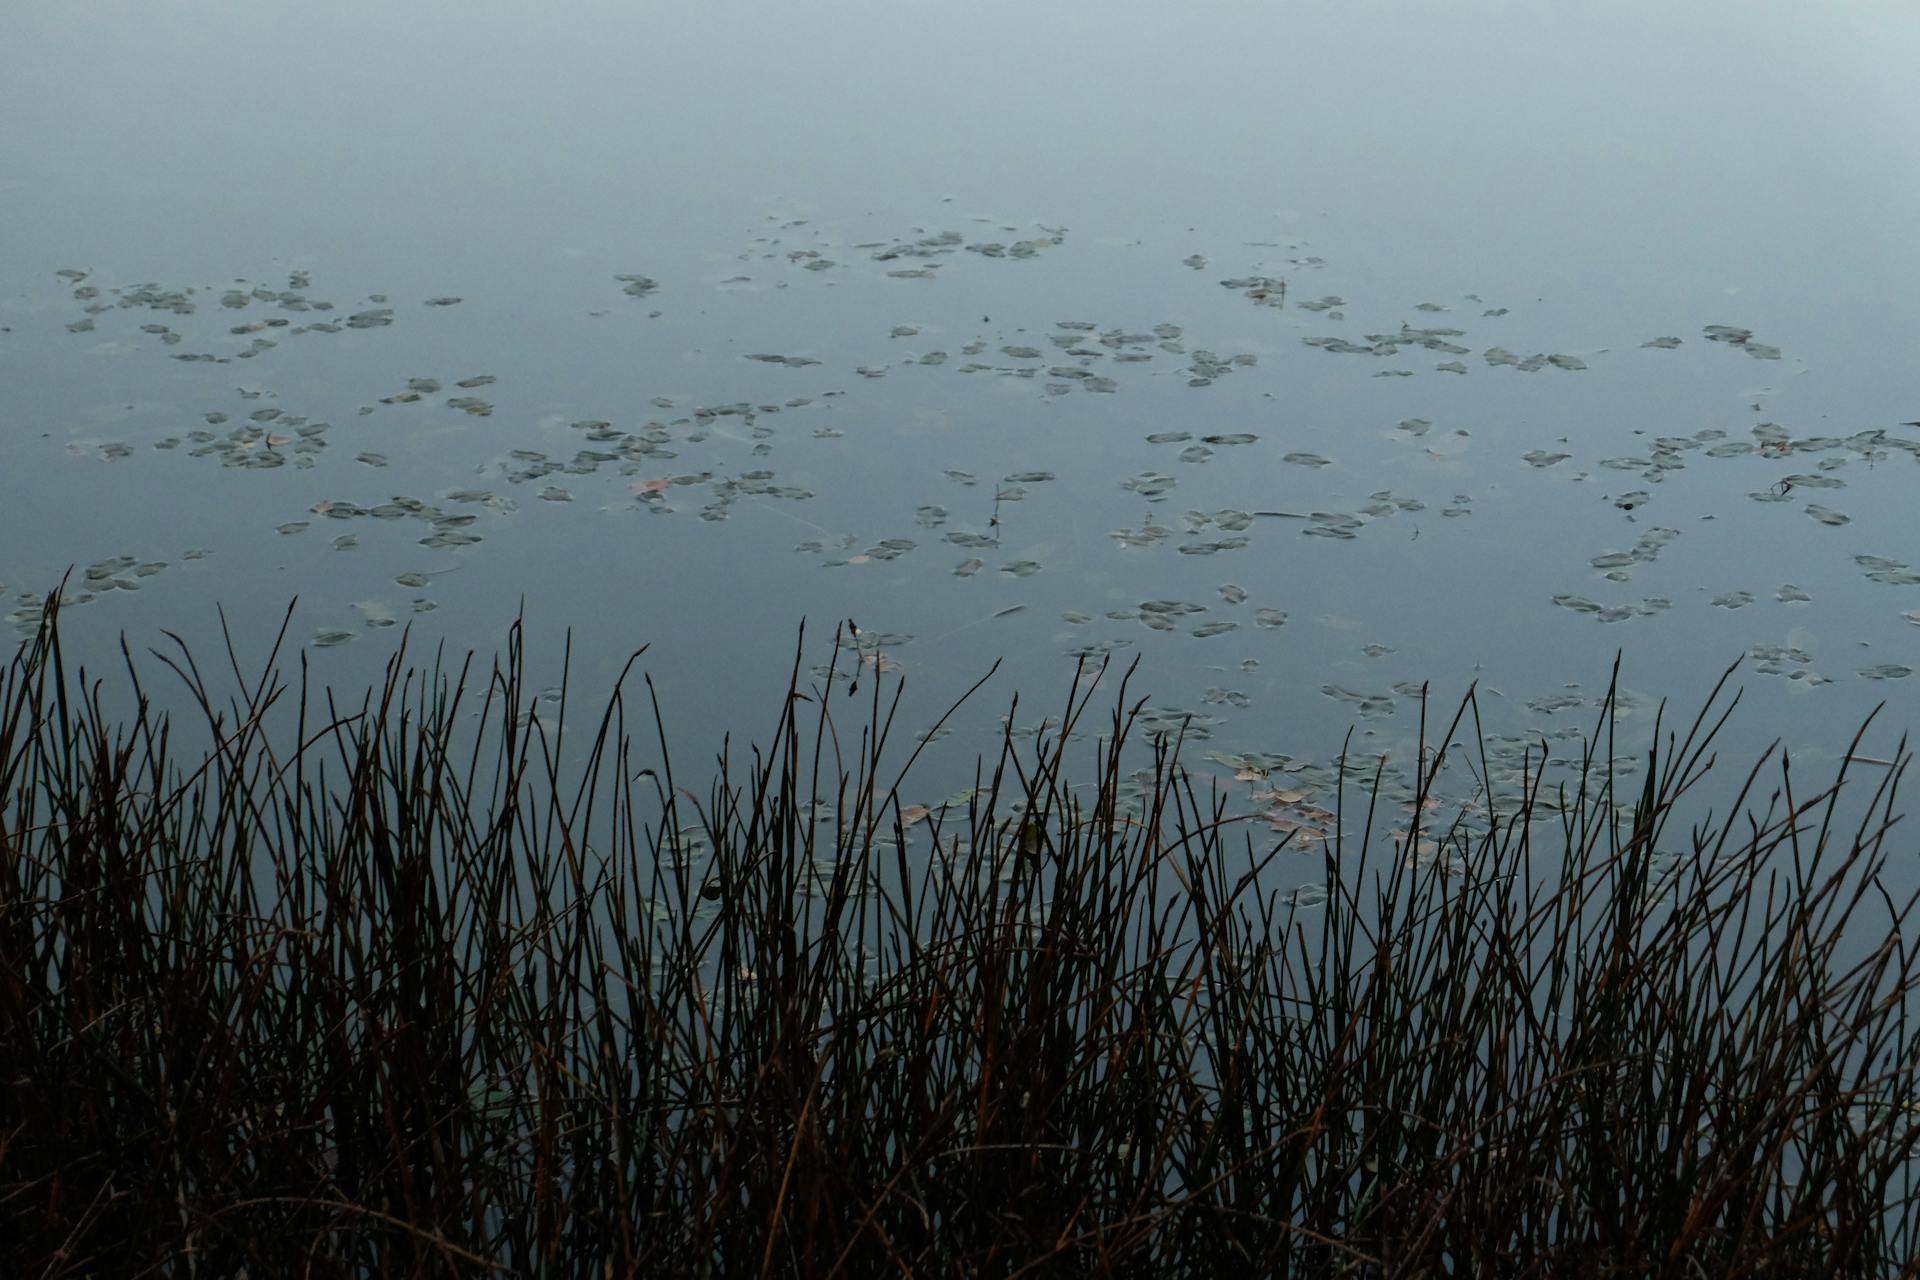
1303 353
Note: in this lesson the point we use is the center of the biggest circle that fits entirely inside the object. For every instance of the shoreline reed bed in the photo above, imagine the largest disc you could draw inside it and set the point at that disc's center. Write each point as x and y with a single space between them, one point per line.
440 983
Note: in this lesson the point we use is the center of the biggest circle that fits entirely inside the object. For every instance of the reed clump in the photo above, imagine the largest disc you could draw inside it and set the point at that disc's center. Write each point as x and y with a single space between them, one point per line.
440 984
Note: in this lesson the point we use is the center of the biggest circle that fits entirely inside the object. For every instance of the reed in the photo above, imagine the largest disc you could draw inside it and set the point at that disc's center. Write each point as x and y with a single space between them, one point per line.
364 989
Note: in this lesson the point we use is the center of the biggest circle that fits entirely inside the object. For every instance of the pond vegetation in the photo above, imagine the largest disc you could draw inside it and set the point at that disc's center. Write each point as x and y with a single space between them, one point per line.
1319 403
442 979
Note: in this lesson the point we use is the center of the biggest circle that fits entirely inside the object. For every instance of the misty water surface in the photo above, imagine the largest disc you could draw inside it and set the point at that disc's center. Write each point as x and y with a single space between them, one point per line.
1303 353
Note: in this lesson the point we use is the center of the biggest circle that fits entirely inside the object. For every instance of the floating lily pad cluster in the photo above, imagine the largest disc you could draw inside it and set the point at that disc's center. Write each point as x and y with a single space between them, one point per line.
121 573
706 455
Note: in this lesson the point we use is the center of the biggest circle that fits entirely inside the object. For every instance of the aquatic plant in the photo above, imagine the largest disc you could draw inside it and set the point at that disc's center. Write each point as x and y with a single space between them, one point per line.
421 984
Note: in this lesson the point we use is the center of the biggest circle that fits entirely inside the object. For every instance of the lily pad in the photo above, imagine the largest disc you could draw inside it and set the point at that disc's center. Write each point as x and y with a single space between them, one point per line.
1150 485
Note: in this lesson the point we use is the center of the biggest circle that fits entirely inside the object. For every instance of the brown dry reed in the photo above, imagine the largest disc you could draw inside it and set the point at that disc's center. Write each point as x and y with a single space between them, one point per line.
367 990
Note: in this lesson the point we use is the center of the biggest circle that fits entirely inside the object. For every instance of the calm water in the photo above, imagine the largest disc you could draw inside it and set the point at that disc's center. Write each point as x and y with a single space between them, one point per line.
1299 353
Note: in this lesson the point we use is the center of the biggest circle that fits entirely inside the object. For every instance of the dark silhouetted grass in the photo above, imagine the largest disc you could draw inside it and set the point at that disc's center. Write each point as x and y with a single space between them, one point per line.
422 985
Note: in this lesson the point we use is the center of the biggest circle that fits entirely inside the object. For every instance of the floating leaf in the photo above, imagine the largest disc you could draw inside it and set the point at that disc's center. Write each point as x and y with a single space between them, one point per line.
1150 485
1210 547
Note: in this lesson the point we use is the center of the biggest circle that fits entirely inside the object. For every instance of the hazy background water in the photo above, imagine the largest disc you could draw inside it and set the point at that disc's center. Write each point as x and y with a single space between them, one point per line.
1600 177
